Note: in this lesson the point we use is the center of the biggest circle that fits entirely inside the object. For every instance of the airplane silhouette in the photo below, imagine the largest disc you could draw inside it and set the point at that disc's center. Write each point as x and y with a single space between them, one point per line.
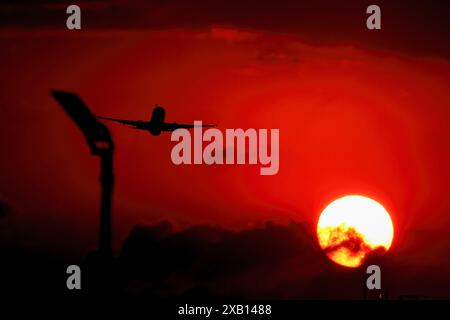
156 124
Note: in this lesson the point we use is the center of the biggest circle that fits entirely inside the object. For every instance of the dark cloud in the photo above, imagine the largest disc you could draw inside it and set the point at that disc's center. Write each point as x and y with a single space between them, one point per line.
222 261
411 27
351 241
271 262
7 210
4 209
274 261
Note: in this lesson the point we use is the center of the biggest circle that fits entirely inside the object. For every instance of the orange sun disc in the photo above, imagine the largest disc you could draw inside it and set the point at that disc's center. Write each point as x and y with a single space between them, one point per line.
352 227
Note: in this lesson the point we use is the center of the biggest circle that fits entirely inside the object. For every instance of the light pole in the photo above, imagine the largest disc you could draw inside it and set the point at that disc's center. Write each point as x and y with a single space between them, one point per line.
100 143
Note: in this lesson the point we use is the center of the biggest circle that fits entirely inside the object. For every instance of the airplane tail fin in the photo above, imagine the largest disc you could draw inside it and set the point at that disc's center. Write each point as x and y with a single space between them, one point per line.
158 115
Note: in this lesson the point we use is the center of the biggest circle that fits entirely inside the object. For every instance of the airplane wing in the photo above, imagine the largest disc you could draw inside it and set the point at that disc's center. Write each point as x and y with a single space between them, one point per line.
174 126
135 124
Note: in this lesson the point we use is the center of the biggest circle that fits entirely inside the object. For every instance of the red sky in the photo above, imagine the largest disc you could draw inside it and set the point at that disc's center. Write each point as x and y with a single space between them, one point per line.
352 119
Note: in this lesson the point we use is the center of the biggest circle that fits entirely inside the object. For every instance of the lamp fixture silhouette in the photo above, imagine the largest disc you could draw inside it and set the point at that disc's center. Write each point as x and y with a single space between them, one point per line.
100 143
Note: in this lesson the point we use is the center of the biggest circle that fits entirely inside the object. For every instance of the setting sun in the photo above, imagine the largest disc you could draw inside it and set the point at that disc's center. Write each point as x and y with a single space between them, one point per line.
352 227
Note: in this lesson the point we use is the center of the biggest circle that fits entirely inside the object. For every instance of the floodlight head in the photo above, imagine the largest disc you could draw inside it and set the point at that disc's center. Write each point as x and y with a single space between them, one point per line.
96 133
